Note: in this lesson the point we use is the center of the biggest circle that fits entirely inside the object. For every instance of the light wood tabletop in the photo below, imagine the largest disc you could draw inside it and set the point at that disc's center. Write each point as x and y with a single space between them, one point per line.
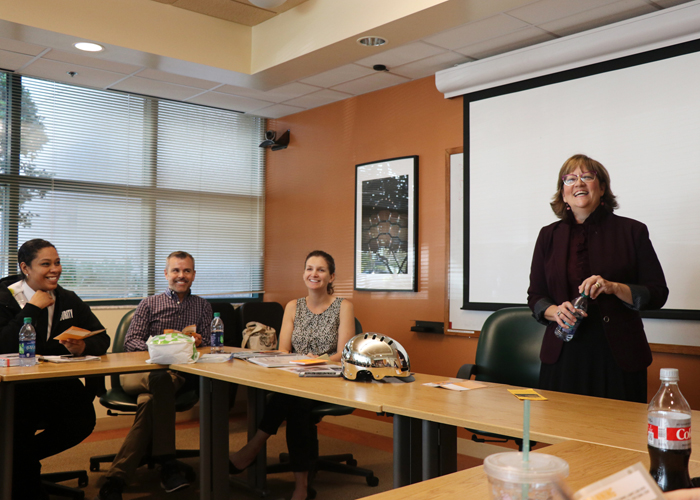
335 390
587 463
563 417
121 362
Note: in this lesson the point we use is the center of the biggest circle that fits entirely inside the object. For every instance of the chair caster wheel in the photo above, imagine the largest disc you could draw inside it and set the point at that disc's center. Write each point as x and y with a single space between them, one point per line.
352 462
94 466
372 481
310 493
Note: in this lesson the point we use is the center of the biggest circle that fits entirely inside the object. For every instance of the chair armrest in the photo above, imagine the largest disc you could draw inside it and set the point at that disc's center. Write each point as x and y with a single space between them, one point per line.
466 371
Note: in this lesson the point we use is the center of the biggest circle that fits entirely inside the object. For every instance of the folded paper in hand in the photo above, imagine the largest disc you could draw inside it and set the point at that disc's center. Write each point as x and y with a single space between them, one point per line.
75 333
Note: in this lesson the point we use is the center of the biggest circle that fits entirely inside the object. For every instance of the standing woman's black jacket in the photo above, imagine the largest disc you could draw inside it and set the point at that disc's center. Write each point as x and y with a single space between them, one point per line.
69 310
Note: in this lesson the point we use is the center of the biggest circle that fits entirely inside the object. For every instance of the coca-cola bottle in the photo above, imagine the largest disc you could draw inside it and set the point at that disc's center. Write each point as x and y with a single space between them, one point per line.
669 434
580 304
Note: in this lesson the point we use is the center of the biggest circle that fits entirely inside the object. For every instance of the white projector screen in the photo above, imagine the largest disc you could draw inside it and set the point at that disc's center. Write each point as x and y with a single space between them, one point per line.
639 116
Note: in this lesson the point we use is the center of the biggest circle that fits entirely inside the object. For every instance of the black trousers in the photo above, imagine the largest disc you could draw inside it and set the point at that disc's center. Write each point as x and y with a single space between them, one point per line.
297 412
63 412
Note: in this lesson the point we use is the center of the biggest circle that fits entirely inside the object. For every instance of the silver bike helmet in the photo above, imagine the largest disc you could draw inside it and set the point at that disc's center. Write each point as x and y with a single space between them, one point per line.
376 355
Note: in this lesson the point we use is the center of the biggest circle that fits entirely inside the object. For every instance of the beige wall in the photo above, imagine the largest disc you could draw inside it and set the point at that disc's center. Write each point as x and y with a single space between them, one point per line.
310 204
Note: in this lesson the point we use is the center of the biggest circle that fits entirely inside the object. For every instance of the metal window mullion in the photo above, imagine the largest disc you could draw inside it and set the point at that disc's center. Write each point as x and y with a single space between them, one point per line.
14 127
151 128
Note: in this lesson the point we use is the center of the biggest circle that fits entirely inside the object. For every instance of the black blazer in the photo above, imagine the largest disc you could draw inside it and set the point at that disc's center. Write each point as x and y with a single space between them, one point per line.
69 311
619 250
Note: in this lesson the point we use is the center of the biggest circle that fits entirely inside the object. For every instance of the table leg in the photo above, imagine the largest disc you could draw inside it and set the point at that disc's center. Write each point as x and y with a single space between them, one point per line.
257 473
7 408
213 435
407 451
448 449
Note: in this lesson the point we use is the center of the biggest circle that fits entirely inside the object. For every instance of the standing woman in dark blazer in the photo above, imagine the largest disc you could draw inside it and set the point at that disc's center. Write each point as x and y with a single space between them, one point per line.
62 409
610 259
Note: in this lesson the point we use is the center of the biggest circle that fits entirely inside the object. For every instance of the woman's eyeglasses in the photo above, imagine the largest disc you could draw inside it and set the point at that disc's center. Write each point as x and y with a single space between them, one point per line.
570 179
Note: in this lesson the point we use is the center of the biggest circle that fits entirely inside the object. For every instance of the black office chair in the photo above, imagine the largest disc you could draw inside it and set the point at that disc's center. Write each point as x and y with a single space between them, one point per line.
119 402
267 313
508 352
329 463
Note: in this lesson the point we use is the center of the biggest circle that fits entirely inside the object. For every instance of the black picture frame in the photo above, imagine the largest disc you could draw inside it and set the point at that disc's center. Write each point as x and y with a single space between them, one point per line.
386 225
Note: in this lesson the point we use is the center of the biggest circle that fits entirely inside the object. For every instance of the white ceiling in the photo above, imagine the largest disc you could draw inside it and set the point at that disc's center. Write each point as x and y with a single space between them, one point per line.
528 24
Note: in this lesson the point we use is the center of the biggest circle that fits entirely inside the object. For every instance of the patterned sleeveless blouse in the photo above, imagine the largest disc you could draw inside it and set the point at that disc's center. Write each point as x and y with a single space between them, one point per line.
316 333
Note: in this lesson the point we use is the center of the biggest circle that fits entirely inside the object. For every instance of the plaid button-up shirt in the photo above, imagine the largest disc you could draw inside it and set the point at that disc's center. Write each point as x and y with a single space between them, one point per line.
165 311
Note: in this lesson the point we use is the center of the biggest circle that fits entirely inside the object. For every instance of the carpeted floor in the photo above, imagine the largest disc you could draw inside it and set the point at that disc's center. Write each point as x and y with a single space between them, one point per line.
371 451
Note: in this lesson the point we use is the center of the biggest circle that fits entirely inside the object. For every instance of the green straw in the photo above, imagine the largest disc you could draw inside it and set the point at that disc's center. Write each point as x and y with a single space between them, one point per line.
526 445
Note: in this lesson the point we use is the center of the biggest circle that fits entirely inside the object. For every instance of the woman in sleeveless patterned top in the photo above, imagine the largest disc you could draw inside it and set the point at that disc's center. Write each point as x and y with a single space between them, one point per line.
315 325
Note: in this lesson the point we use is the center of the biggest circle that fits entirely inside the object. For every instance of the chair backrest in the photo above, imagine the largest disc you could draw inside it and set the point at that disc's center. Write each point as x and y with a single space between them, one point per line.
122 329
267 313
358 327
119 338
509 345
229 315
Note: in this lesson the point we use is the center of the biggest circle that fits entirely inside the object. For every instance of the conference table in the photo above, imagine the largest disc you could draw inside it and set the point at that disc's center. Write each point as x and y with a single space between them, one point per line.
425 418
588 463
12 377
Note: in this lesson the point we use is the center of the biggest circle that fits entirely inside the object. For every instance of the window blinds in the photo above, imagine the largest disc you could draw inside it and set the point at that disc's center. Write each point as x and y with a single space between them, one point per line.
117 182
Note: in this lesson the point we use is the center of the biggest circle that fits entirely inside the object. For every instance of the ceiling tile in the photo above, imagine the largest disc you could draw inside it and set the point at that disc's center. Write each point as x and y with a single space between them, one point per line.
476 32
154 74
338 75
430 65
289 91
21 47
154 88
91 62
669 3
279 94
277 111
370 83
12 60
513 41
236 12
58 71
401 55
319 98
549 10
228 101
599 16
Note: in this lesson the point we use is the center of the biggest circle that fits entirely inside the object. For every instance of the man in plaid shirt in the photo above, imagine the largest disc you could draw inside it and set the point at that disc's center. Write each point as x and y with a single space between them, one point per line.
154 423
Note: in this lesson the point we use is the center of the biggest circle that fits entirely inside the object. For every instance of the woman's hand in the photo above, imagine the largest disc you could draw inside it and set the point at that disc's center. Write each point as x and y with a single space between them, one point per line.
41 299
563 314
76 347
687 494
597 285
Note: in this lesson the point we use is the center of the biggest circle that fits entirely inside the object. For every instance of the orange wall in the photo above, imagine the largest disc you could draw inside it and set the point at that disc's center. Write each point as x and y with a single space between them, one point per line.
310 205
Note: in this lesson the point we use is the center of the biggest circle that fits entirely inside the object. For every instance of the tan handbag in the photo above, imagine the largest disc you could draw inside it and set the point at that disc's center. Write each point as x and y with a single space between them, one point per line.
258 337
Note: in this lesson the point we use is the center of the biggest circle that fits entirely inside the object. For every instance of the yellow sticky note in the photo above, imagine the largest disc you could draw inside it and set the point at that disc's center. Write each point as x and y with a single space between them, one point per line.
530 394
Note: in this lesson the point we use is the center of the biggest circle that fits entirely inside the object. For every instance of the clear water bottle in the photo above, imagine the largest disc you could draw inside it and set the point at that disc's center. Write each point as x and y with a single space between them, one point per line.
27 344
668 433
217 333
580 304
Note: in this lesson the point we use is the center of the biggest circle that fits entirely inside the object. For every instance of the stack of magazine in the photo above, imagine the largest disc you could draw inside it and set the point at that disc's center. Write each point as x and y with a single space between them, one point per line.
291 362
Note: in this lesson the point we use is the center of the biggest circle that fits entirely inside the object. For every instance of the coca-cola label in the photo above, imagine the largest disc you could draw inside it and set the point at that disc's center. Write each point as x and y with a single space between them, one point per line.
669 433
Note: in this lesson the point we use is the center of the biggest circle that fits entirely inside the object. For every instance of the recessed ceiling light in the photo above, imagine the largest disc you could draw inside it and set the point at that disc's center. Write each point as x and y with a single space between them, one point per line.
88 47
371 41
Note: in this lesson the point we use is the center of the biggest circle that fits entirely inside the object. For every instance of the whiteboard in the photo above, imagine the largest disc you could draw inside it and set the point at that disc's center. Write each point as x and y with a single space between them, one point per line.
459 320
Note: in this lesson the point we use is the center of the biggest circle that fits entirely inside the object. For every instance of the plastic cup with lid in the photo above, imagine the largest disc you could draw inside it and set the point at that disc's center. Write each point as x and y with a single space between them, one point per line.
512 479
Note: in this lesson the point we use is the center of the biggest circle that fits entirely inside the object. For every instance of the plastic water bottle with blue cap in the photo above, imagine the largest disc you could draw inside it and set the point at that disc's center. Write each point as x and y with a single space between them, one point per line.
567 333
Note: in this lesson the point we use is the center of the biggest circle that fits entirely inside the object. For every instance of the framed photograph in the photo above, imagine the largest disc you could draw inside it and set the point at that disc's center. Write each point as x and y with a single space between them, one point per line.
386 225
